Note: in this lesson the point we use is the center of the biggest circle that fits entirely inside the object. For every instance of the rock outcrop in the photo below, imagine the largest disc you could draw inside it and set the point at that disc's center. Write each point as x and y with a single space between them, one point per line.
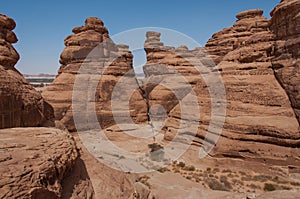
107 63
285 34
286 64
34 162
260 121
257 60
248 23
173 75
9 56
20 104
259 117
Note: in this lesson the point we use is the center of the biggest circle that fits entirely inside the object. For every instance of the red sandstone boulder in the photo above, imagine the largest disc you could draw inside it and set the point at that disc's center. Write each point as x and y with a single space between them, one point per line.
34 162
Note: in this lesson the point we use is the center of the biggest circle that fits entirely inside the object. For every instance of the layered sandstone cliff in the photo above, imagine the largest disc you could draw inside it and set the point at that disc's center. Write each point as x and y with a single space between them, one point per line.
90 51
257 61
259 117
286 64
260 123
20 104
248 23
173 76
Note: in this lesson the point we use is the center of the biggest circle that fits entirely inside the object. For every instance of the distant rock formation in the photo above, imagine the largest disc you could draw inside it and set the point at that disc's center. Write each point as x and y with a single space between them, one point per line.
286 63
248 23
171 73
9 56
20 104
93 35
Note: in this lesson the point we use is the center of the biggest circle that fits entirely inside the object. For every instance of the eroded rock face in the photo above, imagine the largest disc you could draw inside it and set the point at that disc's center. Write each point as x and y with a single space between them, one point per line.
248 23
34 162
259 117
95 68
259 113
286 64
107 182
171 74
260 122
20 104
283 52
9 56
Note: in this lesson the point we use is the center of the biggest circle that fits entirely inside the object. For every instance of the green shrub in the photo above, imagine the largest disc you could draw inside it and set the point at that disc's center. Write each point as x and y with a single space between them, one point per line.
269 187
246 178
155 147
216 185
157 153
181 164
253 186
189 168
216 170
223 178
227 184
261 178
162 170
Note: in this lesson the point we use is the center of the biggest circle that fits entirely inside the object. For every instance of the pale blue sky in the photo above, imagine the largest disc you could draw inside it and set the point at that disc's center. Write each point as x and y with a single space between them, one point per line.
43 25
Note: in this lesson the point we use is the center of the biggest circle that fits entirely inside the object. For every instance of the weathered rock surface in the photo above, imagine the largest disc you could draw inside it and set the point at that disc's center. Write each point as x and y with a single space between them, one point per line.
286 64
259 115
20 104
48 163
248 23
280 194
104 67
34 162
163 186
171 74
284 26
260 121
107 182
9 56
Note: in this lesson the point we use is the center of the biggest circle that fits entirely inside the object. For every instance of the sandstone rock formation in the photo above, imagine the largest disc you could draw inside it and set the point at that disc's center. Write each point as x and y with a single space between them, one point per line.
259 65
107 182
76 62
285 25
171 76
260 122
284 32
20 104
47 163
248 23
34 162
259 116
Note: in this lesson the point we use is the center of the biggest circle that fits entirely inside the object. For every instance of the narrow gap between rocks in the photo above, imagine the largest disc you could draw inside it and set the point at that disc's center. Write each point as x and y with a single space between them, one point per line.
139 60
